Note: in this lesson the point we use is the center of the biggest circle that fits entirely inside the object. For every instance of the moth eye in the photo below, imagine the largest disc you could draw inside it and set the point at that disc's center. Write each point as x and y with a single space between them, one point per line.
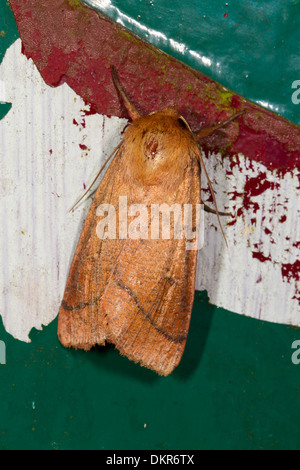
151 148
183 123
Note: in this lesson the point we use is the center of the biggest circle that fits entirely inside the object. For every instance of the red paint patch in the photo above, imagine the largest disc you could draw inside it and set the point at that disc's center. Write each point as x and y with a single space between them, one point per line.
282 219
82 123
235 194
56 71
260 256
296 297
291 271
260 146
236 102
83 147
89 112
258 185
255 187
77 46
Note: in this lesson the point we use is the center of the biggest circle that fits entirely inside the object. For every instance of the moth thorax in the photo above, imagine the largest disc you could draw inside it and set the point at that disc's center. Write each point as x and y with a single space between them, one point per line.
158 150
151 148
155 149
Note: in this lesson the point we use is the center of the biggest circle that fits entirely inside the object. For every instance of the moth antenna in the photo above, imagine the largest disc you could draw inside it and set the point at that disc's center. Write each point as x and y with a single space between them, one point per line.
98 174
213 195
206 131
133 112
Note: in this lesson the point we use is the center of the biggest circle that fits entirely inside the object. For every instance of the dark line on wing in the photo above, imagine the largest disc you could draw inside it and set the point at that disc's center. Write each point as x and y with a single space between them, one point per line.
79 306
132 295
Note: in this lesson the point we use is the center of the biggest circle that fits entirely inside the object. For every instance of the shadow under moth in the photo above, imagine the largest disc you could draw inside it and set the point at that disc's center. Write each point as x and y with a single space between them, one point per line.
137 291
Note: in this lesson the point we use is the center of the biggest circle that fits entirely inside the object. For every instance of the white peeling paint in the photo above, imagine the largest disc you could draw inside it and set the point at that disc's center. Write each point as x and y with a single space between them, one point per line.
234 279
43 171
2 92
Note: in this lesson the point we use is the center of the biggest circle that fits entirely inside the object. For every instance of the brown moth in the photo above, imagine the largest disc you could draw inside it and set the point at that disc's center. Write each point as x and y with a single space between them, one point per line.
137 292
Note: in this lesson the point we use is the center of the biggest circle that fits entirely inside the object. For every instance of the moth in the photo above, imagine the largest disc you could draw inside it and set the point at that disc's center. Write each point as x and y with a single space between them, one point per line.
137 292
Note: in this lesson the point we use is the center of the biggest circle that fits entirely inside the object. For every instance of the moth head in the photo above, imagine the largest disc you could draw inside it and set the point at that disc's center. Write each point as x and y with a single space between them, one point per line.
159 146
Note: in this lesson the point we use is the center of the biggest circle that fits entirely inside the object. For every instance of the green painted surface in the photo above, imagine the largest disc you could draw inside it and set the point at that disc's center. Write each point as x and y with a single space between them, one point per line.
8 34
8 29
236 387
4 108
250 47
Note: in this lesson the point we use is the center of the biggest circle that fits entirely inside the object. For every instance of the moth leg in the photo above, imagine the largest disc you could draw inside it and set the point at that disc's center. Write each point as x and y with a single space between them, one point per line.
212 211
206 131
